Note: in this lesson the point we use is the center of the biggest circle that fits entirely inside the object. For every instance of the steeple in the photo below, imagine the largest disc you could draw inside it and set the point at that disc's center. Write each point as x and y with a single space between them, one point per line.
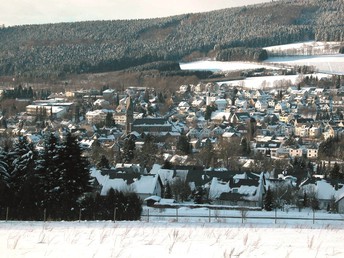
129 113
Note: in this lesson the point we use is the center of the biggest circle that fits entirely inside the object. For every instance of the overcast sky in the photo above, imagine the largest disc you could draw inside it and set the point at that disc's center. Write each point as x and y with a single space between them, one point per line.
18 12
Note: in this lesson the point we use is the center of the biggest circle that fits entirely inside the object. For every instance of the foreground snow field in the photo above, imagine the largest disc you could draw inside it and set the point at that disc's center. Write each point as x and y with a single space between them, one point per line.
168 238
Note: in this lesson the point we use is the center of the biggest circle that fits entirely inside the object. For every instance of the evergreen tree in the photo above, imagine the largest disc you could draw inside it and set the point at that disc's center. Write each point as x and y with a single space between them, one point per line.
167 164
134 207
305 200
208 111
268 200
147 155
199 196
180 189
128 149
103 163
245 146
206 154
48 168
167 191
22 194
75 177
109 121
4 178
183 145
335 172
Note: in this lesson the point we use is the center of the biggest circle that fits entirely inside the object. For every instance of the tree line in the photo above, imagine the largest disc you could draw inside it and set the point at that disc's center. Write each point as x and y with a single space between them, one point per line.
99 46
55 180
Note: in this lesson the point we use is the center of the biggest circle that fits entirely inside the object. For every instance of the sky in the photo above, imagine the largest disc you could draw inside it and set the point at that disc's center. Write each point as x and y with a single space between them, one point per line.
20 12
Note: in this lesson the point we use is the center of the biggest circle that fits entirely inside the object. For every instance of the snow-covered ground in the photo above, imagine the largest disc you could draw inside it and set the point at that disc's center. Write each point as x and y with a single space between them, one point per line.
165 237
326 65
268 82
223 66
323 63
307 47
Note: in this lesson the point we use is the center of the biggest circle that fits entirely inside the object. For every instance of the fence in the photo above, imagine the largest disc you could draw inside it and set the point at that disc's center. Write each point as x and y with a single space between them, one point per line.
209 216
8 214
243 216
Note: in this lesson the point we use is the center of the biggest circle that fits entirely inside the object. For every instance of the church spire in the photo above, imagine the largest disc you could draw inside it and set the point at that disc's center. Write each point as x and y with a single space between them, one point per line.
129 113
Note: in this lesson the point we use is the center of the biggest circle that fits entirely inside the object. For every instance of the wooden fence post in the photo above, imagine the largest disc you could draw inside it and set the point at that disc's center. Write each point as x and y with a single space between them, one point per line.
7 212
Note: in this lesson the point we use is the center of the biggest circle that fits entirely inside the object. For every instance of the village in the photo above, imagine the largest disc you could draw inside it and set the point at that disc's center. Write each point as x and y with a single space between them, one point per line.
209 143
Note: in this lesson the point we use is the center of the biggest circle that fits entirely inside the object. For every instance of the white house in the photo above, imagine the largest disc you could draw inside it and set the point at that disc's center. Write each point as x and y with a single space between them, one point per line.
221 104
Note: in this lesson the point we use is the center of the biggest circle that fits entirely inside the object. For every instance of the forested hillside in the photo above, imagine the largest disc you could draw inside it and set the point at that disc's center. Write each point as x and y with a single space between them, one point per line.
101 46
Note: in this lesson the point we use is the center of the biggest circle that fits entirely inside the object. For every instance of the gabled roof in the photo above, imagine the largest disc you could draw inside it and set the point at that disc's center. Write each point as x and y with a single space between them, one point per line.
150 121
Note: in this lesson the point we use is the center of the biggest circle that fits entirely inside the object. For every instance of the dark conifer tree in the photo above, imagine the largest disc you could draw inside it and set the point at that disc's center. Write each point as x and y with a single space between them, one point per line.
75 177
48 169
183 145
268 200
134 207
103 163
128 150
168 191
148 152
23 196
335 172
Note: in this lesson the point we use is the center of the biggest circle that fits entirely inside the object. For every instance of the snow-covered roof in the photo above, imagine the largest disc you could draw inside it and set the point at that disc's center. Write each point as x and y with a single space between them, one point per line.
219 115
145 184
325 191
218 187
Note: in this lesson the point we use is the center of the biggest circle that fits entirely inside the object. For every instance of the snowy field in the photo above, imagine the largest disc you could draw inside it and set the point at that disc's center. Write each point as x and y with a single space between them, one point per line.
217 66
270 82
161 237
307 47
323 63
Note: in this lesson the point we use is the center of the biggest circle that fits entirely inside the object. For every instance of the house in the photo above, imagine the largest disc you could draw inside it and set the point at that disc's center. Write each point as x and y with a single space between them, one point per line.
328 132
205 133
148 185
221 104
154 126
312 153
269 148
239 191
144 185
194 133
282 107
295 152
284 118
220 116
324 191
47 110
217 131
197 103
240 117
261 105
183 106
101 103
97 116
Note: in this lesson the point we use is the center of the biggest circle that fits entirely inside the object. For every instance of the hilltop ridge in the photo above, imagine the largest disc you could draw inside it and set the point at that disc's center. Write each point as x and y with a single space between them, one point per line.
56 50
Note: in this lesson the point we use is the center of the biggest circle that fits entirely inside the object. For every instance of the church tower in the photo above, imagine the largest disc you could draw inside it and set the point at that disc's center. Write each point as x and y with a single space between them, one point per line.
129 115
